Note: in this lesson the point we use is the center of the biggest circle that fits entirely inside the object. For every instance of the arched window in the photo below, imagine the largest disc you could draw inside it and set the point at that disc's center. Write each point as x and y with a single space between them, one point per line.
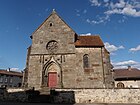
86 61
120 85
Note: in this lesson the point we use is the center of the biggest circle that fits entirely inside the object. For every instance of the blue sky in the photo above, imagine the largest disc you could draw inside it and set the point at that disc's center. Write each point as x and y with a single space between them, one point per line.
116 21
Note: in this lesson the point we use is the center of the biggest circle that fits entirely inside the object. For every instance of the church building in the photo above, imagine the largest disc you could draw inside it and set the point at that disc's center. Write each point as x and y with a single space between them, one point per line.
60 58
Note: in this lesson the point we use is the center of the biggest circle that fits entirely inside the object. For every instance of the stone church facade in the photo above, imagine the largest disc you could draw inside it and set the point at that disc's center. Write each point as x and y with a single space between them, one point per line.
59 58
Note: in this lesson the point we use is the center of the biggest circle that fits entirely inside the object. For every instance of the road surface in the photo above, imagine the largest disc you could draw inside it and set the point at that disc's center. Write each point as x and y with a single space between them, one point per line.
11 103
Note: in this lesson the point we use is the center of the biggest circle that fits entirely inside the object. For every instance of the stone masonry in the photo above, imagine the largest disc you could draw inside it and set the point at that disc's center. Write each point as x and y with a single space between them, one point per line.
56 58
97 96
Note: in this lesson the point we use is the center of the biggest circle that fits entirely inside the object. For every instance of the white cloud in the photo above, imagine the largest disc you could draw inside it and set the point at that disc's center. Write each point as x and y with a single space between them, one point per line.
87 34
46 10
137 5
94 21
119 4
95 3
124 8
125 64
135 49
106 0
77 14
14 69
112 48
131 12
80 12
77 10
113 11
120 7
85 11
99 20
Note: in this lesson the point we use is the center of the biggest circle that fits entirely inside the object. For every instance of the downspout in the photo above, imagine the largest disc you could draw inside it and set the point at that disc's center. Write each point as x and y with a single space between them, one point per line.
61 79
42 63
62 56
103 67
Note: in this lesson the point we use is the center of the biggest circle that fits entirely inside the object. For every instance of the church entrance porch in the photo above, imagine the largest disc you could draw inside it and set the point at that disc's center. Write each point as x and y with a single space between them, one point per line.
51 75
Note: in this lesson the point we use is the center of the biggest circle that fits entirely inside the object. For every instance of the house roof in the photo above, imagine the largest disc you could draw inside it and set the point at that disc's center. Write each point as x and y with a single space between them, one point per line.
12 73
132 73
89 41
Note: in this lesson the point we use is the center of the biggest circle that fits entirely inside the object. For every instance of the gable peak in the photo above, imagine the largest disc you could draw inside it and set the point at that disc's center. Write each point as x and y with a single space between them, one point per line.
53 11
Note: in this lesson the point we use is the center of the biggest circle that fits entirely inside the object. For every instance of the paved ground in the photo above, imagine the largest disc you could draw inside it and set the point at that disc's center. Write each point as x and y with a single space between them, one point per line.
9 103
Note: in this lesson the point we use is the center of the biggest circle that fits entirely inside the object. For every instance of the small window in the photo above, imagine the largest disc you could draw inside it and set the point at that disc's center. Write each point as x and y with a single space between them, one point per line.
86 61
6 80
11 80
51 24
120 85
1 79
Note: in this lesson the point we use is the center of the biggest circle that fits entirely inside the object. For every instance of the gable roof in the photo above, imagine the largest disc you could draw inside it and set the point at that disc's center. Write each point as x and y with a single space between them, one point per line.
89 41
107 51
12 73
133 73
53 13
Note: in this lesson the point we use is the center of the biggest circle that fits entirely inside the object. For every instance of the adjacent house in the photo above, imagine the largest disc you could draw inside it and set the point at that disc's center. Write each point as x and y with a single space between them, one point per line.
60 58
10 78
127 78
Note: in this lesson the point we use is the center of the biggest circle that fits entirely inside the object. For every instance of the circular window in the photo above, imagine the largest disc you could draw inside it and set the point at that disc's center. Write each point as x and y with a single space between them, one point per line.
52 46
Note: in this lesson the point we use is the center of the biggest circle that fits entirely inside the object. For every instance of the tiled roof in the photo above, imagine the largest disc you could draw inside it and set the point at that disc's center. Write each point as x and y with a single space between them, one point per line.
126 73
12 73
89 41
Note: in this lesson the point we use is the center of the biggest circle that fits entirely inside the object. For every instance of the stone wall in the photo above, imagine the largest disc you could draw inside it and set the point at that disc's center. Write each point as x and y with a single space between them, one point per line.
129 84
2 94
53 50
97 96
91 77
73 96
52 29
12 94
16 95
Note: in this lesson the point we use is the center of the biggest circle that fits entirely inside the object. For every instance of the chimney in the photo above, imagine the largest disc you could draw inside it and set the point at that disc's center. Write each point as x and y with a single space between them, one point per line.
8 69
129 68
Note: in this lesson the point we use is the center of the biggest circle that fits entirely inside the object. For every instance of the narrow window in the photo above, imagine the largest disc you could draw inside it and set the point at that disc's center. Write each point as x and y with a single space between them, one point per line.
86 61
11 80
6 80
1 79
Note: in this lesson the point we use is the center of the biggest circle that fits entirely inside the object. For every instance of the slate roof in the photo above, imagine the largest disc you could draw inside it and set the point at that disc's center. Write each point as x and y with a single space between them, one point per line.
89 41
133 73
12 73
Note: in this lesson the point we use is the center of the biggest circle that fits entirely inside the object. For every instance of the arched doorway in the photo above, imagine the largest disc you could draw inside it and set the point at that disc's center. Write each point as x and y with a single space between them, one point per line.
52 72
51 75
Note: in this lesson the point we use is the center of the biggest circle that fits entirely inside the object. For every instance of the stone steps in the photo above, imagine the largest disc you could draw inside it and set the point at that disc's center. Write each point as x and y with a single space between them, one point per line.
44 91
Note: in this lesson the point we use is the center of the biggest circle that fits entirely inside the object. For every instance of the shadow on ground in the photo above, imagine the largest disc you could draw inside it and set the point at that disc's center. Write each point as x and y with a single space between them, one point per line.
33 96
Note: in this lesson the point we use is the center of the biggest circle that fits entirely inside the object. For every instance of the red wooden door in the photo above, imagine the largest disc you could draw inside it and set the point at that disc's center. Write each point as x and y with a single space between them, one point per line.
52 79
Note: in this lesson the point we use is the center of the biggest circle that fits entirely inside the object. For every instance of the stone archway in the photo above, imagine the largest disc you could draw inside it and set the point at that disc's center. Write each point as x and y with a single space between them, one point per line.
51 76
